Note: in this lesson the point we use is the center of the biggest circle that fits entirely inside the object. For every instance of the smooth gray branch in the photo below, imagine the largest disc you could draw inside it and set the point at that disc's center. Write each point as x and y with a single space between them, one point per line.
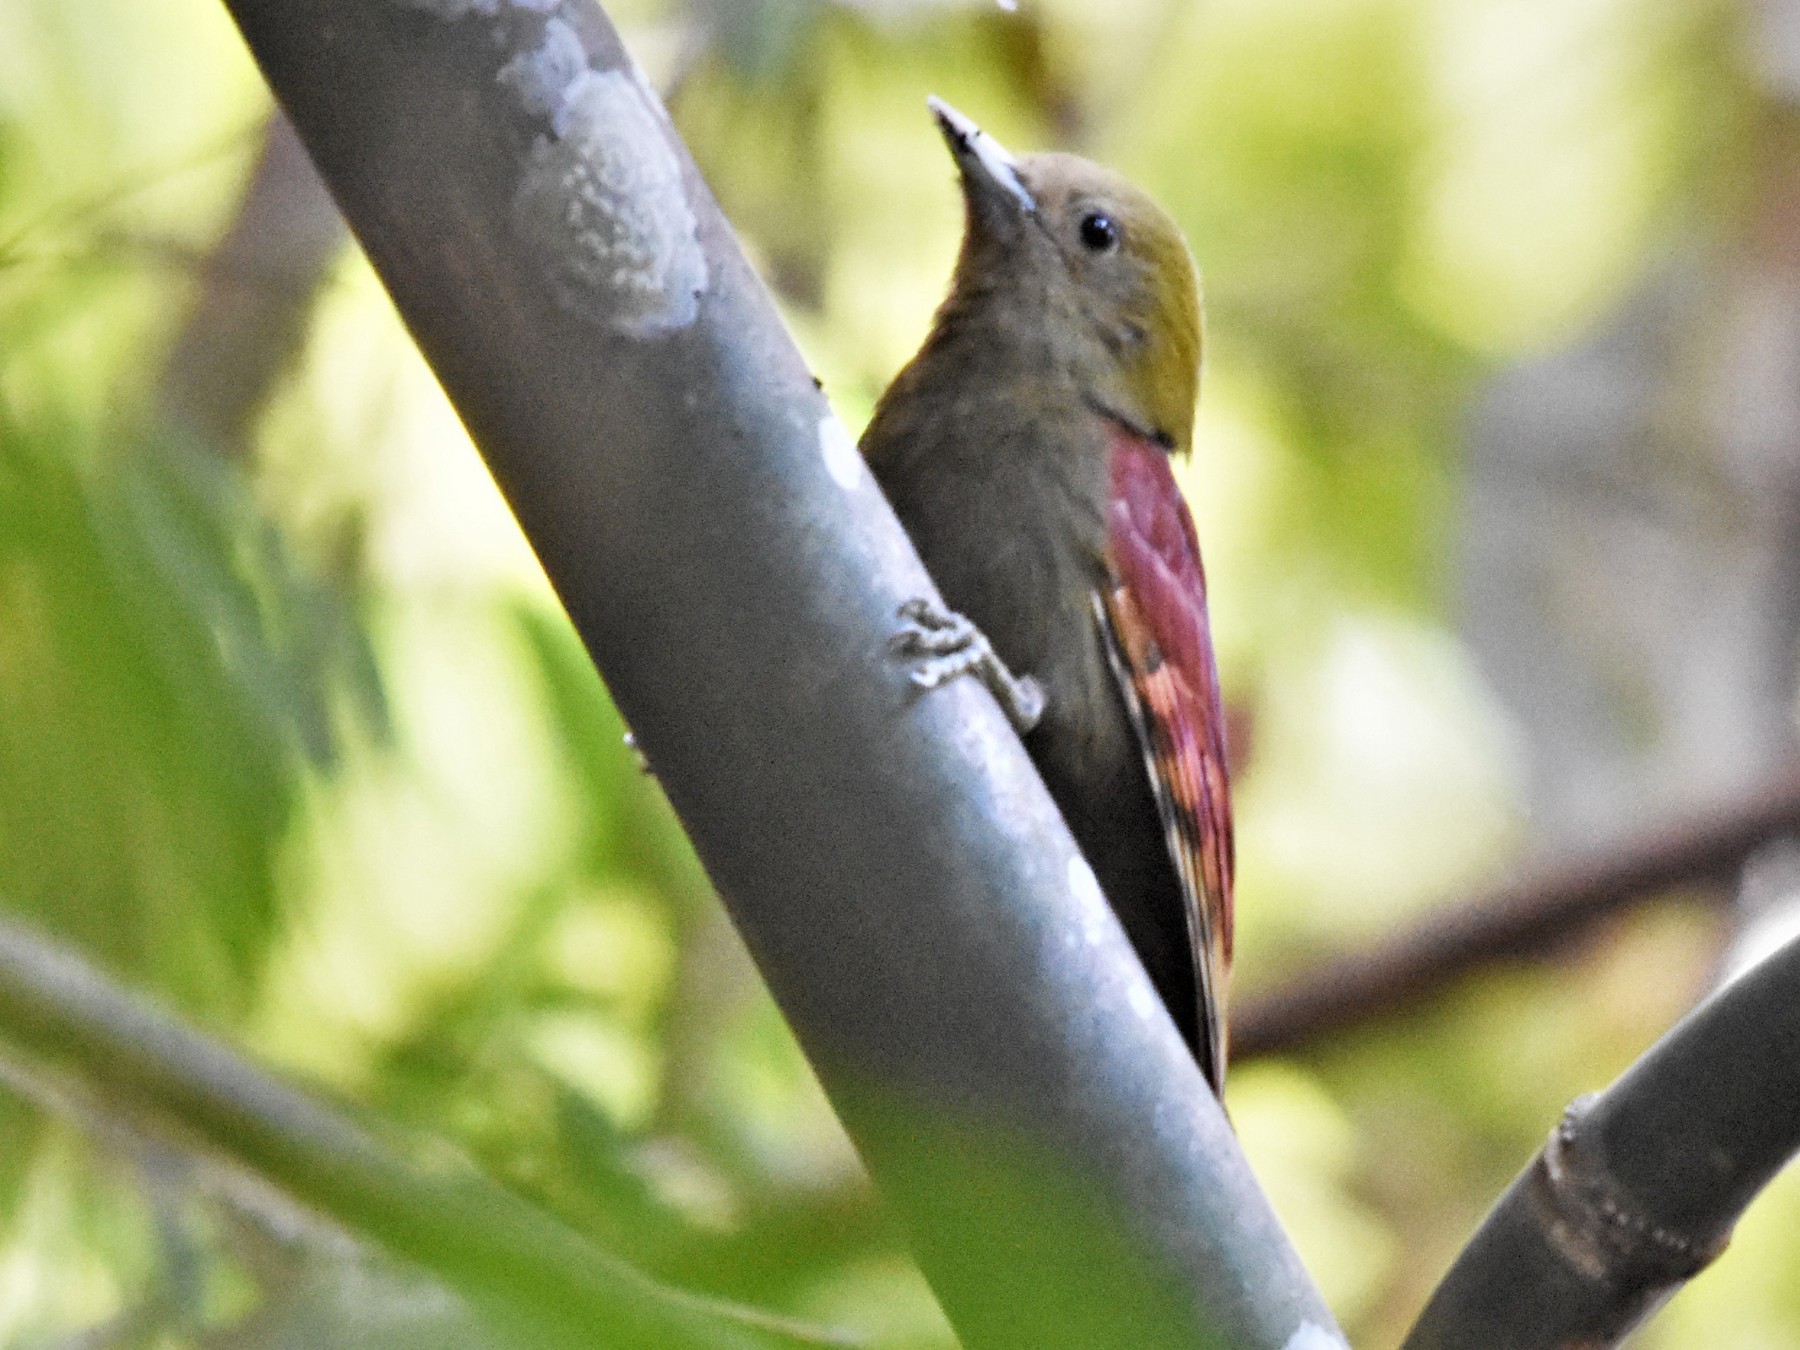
892 859
1639 1186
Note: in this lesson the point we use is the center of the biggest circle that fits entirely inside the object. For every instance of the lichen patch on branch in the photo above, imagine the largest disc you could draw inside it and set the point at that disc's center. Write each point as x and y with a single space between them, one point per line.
544 77
842 459
457 9
1311 1336
1083 884
603 204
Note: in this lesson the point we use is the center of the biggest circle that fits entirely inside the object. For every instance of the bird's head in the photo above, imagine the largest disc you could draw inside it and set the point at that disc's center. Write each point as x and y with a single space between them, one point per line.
1085 268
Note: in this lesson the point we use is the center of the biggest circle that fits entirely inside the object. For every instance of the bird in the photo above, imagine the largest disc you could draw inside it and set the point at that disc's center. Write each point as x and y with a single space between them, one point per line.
1026 449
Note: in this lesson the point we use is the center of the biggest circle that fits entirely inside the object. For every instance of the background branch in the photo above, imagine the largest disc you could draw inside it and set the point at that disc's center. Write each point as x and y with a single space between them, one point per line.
1524 918
526 1271
255 294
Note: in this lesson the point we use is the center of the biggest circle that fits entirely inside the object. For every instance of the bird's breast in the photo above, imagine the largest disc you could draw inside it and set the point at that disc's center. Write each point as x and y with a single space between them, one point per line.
1005 500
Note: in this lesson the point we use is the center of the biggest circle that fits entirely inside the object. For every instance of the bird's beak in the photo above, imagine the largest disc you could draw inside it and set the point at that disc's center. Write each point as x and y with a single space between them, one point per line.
989 172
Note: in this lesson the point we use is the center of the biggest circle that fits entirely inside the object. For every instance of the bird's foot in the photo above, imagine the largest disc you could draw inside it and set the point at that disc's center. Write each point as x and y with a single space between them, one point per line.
943 644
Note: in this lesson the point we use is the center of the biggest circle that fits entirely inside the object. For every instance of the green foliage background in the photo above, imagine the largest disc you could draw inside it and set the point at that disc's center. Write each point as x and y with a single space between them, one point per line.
299 741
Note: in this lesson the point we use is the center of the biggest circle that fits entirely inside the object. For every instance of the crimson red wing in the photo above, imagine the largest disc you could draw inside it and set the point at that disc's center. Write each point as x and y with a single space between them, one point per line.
1155 620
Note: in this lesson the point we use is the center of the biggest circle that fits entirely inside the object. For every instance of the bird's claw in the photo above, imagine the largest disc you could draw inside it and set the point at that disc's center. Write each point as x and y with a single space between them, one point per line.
948 643
944 644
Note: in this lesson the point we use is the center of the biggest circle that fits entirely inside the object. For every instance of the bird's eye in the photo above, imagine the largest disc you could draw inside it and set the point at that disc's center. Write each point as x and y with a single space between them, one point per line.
1099 232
